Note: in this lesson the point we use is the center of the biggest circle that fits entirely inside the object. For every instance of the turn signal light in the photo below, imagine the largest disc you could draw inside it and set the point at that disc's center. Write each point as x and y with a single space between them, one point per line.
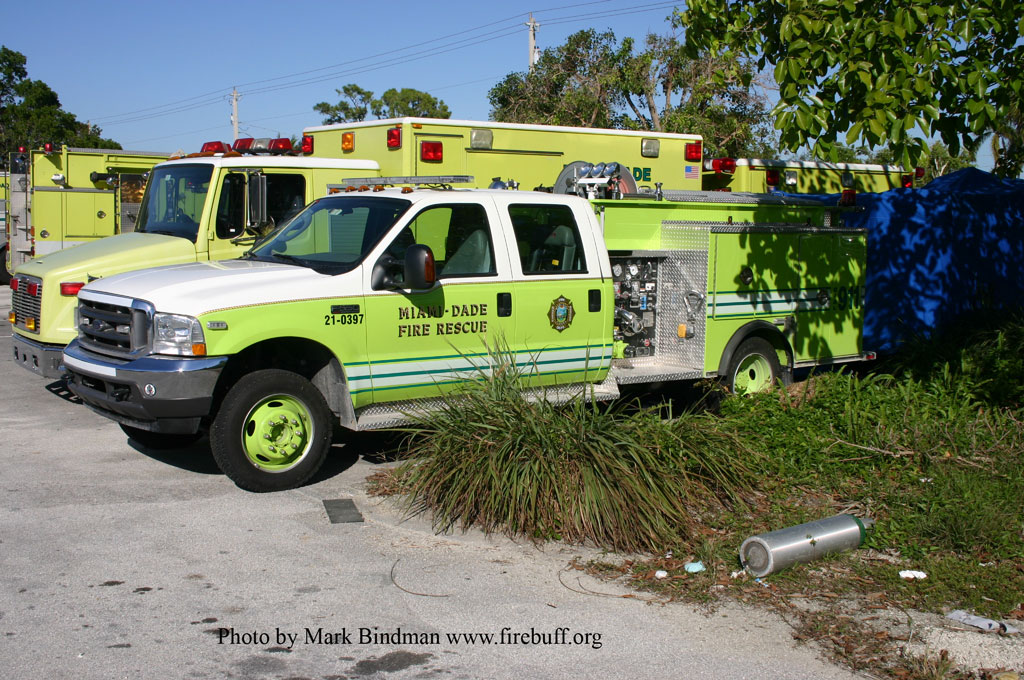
348 141
12 317
30 323
71 288
199 349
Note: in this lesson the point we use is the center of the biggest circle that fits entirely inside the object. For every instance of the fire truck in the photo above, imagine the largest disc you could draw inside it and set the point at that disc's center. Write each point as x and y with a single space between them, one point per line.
59 197
804 177
373 302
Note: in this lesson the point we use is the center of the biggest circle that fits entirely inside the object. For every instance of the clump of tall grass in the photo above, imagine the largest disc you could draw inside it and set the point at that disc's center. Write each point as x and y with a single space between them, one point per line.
496 459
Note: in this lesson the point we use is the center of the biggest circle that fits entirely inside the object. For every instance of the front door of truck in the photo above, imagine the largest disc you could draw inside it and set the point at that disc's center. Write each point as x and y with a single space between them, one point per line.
421 343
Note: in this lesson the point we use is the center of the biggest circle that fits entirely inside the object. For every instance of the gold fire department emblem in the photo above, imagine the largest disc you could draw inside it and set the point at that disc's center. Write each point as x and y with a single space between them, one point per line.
561 313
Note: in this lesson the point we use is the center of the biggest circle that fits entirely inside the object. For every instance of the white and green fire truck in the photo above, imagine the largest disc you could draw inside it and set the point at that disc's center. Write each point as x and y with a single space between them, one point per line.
206 206
372 302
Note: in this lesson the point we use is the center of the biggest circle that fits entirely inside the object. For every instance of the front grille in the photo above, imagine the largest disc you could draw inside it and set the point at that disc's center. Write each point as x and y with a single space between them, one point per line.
111 329
27 306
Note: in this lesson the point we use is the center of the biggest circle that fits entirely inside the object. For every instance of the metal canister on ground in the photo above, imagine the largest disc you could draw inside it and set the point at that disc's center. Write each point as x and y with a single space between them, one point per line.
776 550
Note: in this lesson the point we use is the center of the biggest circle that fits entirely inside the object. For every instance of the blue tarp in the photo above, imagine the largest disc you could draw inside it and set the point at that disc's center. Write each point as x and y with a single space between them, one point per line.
954 246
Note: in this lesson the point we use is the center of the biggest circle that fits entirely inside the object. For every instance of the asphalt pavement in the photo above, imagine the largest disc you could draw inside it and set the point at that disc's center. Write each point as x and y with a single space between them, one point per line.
118 562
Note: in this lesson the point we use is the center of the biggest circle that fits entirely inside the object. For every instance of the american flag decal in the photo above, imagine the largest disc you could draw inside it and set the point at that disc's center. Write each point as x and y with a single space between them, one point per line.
692 172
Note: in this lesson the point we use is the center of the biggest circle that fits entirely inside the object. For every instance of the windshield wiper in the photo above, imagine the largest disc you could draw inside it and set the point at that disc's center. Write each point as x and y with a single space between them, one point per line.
290 258
164 232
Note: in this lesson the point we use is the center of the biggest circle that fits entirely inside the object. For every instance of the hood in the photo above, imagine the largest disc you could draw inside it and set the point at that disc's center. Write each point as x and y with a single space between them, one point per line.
111 255
200 287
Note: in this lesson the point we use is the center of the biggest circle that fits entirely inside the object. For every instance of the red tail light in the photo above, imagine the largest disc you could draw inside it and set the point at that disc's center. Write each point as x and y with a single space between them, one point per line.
771 178
432 152
215 147
280 145
724 166
907 181
242 144
395 138
71 289
693 151
307 144
848 197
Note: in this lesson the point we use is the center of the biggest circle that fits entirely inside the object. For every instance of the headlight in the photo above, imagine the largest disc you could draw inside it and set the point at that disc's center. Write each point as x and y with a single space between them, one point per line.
178 334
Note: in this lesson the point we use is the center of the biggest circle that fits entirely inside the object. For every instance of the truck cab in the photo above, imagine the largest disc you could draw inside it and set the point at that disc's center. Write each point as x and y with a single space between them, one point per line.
207 206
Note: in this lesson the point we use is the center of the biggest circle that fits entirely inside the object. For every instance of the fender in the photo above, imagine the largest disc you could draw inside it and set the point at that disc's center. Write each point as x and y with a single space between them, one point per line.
744 332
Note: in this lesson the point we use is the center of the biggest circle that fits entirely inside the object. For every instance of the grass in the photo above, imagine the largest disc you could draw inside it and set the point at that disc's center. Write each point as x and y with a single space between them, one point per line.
929 443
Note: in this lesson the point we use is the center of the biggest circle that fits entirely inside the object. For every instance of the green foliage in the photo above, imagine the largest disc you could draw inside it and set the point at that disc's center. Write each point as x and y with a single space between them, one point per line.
576 472
31 113
879 73
593 80
356 103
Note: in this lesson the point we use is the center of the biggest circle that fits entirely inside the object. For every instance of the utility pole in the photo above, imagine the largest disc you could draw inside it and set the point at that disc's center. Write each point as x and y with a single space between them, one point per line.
234 111
534 52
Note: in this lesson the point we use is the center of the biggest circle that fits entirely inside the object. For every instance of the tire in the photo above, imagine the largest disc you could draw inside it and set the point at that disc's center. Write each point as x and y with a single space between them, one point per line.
159 441
258 450
754 367
5 273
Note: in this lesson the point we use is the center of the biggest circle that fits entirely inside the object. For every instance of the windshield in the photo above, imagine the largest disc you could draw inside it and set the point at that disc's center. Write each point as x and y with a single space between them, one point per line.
174 199
333 234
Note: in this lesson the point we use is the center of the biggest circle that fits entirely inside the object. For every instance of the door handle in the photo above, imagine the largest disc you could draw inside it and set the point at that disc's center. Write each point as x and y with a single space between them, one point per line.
504 304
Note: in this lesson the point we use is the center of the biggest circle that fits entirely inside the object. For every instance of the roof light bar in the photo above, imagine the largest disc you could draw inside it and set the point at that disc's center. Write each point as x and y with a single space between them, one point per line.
417 180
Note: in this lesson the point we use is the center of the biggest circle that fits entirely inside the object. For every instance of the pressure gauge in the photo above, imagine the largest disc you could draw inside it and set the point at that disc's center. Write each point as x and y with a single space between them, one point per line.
617 269
633 270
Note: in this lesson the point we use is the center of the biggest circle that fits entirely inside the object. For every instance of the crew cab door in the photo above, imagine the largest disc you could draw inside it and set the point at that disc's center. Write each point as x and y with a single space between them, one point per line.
421 343
563 296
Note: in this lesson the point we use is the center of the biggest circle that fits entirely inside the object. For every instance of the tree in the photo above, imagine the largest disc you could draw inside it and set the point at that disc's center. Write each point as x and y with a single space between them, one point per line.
595 81
31 113
356 103
888 73
573 84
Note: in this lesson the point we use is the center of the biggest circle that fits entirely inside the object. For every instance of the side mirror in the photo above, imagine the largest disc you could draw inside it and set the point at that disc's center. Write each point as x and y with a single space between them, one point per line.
419 267
257 219
416 274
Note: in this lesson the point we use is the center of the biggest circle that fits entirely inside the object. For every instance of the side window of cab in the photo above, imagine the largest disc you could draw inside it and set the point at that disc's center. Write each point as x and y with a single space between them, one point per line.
459 235
286 196
548 239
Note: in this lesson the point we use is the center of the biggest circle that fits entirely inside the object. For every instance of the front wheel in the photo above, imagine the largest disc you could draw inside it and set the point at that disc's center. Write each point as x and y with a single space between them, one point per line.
272 431
754 367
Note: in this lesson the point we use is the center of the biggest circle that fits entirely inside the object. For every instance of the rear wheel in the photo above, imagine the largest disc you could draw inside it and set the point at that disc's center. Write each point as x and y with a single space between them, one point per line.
754 367
272 432
159 441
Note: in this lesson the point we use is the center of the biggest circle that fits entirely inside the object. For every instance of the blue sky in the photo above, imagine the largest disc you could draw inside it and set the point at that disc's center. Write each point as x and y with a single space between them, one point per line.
157 76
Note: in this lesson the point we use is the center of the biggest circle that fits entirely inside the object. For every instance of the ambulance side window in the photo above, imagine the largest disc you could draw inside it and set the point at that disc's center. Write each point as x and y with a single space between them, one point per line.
231 207
548 239
459 235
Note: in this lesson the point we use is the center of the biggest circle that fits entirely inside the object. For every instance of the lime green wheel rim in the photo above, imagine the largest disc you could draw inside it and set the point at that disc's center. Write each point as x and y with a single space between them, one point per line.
753 375
277 433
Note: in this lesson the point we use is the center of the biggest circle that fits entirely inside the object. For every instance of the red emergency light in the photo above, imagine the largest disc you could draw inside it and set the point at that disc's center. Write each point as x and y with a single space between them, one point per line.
907 181
32 289
693 152
242 144
71 289
215 147
14 284
49 147
919 173
280 145
307 144
432 152
395 138
848 197
772 177
723 166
